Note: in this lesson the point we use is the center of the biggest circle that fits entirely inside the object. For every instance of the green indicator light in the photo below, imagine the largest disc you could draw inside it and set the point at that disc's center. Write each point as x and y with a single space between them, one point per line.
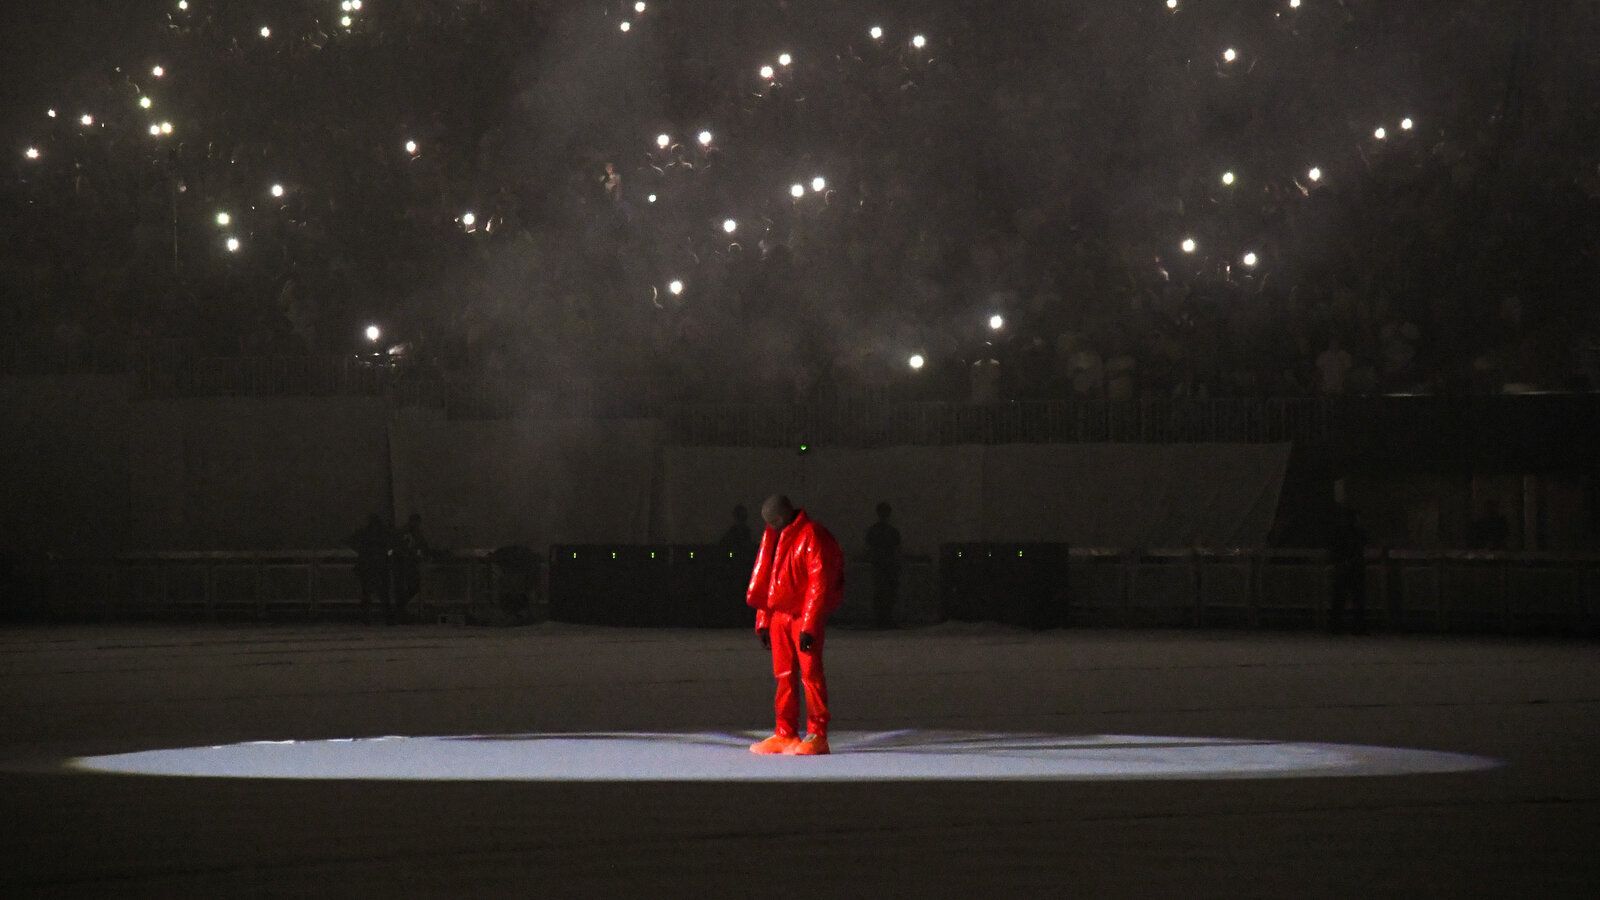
613 554
653 554
1019 552
691 554
574 554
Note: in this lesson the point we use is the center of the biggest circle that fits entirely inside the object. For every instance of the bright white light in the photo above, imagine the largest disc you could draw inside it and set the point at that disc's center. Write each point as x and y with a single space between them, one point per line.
875 33
1381 133
411 147
1406 124
1250 260
266 32
729 225
1172 4
919 42
1188 245
1294 4
86 120
916 361
183 4
1229 55
233 245
639 7
1227 178
345 21
818 184
797 191
721 758
675 286
51 113
158 71
155 130
663 140
651 198
997 322
626 26
469 219
277 190
355 5
224 220
784 59
144 102
31 153
1315 174
166 127
345 5
766 72
373 333
705 138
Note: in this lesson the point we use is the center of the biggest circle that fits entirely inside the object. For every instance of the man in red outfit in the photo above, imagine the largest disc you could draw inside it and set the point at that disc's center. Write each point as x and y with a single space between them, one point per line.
798 581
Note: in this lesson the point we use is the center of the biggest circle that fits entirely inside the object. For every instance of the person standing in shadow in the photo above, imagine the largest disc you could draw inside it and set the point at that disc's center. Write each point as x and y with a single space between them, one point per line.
409 548
1347 552
883 554
372 544
738 536
1489 531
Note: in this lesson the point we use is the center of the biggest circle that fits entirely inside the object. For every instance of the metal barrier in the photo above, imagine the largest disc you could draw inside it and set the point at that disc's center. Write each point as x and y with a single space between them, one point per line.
884 422
263 376
1408 591
260 586
865 420
1541 432
1438 591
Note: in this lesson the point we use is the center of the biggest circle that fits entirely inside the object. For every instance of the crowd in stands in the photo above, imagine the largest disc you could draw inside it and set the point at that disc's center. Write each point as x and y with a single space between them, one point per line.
1008 198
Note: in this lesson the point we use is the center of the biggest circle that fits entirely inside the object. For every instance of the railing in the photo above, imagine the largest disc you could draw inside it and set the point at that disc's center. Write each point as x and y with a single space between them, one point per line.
1405 591
1411 591
1544 431
870 423
460 586
263 376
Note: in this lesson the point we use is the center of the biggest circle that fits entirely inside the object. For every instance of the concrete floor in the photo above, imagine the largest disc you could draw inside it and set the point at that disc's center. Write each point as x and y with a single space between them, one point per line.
1529 827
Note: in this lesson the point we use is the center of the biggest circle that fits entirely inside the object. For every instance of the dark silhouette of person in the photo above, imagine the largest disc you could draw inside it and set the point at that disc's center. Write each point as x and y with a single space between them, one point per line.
883 554
1489 531
372 544
738 536
1347 552
409 548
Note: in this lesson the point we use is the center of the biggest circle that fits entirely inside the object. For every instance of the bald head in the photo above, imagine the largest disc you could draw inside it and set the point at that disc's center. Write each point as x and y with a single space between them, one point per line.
777 511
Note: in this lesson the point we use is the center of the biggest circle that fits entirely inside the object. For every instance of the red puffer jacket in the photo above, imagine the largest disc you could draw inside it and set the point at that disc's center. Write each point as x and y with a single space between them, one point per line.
799 572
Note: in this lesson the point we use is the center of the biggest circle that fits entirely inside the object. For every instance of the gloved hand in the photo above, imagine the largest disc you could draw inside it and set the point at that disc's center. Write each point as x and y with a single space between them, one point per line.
766 638
806 641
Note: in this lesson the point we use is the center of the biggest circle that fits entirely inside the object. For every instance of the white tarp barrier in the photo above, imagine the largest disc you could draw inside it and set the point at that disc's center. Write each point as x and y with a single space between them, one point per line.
1113 495
523 481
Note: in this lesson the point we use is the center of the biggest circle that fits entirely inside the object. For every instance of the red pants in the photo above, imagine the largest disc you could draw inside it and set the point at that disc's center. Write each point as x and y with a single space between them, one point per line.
794 670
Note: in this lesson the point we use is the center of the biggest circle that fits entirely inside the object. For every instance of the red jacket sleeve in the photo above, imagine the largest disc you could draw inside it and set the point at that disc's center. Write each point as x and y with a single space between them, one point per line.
761 577
824 578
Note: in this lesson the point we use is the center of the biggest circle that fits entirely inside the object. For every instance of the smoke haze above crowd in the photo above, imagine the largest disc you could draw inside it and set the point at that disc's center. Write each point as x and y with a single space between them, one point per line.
1035 199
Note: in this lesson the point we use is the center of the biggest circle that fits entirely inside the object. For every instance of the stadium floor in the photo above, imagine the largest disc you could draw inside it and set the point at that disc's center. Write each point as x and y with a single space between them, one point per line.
1122 813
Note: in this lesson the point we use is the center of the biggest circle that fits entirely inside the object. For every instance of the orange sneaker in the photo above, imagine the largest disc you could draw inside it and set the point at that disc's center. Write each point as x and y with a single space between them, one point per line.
778 743
815 745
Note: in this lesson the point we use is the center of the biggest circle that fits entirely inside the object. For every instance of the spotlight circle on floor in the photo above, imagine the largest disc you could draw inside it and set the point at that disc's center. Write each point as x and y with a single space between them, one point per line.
909 755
